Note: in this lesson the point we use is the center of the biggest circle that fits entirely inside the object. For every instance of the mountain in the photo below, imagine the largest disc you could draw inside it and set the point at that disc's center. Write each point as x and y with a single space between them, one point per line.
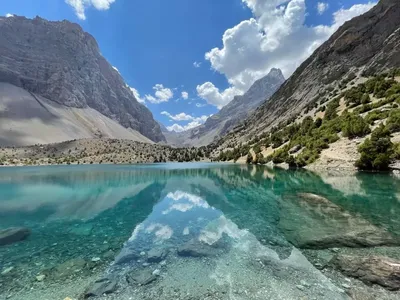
234 112
367 44
28 119
62 63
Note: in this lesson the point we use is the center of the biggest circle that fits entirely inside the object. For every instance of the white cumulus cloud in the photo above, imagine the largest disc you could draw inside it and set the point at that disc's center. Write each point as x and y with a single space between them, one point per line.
275 36
322 7
214 96
197 64
9 15
81 5
184 117
162 94
185 95
199 105
179 128
181 117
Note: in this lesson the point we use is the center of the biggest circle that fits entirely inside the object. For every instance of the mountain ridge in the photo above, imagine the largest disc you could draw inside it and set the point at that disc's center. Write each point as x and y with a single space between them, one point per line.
60 62
368 43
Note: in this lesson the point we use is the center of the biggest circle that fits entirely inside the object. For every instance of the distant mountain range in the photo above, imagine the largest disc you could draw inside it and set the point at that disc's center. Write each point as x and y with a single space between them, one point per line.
63 64
231 114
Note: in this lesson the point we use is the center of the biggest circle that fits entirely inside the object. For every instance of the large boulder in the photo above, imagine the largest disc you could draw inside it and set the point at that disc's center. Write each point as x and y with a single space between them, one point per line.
371 270
13 235
313 222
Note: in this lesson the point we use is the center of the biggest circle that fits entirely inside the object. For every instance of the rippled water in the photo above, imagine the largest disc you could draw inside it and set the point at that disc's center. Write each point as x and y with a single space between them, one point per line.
216 231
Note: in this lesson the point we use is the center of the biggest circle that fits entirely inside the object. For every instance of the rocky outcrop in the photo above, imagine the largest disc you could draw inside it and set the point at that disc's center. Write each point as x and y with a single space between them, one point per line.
371 270
310 221
369 43
61 62
13 235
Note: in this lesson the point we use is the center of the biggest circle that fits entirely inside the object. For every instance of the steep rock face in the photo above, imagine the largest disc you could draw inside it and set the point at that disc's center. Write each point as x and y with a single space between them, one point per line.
237 110
370 42
61 62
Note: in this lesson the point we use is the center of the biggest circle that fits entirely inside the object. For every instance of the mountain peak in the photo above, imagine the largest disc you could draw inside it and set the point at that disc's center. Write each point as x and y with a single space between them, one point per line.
277 73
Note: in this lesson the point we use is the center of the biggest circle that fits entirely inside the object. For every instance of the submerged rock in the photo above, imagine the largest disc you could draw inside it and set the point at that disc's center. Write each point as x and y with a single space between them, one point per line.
141 277
13 235
372 269
40 277
101 287
126 256
82 230
7 270
68 268
313 222
156 255
195 248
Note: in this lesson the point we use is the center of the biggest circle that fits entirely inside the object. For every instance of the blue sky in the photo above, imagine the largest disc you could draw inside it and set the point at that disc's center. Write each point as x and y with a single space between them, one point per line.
155 43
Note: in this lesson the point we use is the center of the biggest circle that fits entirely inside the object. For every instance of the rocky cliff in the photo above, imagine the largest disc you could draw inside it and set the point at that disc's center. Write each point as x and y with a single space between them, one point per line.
369 43
61 62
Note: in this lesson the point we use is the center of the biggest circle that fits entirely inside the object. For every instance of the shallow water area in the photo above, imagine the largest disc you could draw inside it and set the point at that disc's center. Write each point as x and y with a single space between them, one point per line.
189 231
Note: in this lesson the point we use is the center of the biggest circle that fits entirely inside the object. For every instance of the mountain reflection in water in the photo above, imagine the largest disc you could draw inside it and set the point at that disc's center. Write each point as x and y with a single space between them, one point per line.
202 229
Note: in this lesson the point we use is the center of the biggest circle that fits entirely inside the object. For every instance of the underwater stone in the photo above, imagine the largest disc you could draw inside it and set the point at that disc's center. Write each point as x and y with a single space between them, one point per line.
126 256
156 255
69 267
101 287
372 269
311 221
40 277
195 248
7 270
141 277
13 235
82 230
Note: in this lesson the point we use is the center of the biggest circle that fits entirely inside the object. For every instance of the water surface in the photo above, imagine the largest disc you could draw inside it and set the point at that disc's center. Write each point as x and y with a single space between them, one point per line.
90 222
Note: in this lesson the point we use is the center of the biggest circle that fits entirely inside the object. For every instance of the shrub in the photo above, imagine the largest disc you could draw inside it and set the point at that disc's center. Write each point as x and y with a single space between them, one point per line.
353 96
249 158
376 152
331 109
318 123
376 115
396 151
354 126
307 156
393 122
280 156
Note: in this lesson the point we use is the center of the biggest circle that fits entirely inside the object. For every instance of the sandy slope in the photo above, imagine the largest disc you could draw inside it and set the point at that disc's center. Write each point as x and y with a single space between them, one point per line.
26 119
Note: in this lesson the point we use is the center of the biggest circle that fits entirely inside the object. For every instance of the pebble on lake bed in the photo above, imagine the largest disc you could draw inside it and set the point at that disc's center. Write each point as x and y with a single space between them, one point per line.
96 259
7 270
40 277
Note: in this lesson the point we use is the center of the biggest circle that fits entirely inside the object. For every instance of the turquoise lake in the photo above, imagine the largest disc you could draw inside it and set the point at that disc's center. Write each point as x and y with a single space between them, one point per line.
188 231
